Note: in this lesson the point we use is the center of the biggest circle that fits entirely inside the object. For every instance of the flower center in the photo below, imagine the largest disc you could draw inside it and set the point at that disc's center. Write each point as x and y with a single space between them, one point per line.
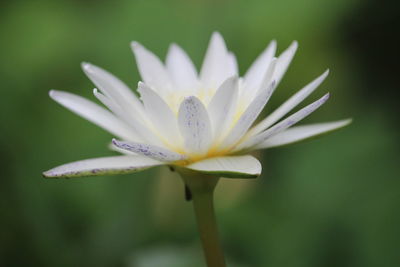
174 100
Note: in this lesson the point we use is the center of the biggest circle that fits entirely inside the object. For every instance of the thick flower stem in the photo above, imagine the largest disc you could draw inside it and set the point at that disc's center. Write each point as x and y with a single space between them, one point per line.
202 189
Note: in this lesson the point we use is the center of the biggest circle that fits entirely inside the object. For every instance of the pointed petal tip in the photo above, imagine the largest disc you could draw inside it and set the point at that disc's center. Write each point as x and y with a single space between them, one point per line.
173 46
217 37
291 50
232 82
347 121
46 174
234 78
142 88
324 98
115 141
87 67
136 45
216 34
119 144
190 98
52 92
273 44
142 84
324 74
49 174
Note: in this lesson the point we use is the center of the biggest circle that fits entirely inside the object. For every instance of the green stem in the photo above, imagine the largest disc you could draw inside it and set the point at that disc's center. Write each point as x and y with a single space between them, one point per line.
204 209
202 189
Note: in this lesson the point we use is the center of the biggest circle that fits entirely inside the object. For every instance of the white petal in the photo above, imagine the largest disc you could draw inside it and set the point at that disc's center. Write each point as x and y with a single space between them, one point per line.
230 166
154 152
151 69
283 125
222 106
112 147
284 61
181 68
291 103
300 133
162 117
143 130
94 113
147 133
114 89
249 116
194 125
109 103
233 68
255 73
248 94
214 69
102 166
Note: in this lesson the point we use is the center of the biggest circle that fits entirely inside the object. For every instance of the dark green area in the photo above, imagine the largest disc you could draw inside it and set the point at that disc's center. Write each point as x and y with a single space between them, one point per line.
328 202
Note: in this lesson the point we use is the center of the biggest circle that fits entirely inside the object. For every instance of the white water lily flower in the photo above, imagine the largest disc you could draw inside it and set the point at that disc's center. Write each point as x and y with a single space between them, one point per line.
199 121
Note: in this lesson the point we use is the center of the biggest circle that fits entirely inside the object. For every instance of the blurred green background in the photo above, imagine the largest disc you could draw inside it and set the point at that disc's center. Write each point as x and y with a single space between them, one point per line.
333 201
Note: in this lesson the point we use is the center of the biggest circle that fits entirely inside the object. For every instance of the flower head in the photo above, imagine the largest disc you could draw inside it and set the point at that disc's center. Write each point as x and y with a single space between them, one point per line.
199 121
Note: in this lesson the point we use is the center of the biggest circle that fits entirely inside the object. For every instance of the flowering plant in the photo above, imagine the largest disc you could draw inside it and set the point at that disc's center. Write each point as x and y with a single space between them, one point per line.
200 124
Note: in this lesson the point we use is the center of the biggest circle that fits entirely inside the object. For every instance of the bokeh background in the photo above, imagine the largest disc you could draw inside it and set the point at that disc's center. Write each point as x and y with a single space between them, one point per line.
333 201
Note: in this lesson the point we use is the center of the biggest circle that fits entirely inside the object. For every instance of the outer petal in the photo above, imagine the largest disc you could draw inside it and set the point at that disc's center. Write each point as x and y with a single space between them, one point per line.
151 69
112 147
284 61
154 152
194 125
233 68
181 68
291 103
249 116
248 94
232 166
94 113
283 125
114 89
255 73
145 131
214 69
222 106
162 117
102 166
300 133
110 104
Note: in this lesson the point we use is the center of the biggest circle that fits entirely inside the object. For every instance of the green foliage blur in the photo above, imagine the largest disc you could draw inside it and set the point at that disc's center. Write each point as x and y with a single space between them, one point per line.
333 201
